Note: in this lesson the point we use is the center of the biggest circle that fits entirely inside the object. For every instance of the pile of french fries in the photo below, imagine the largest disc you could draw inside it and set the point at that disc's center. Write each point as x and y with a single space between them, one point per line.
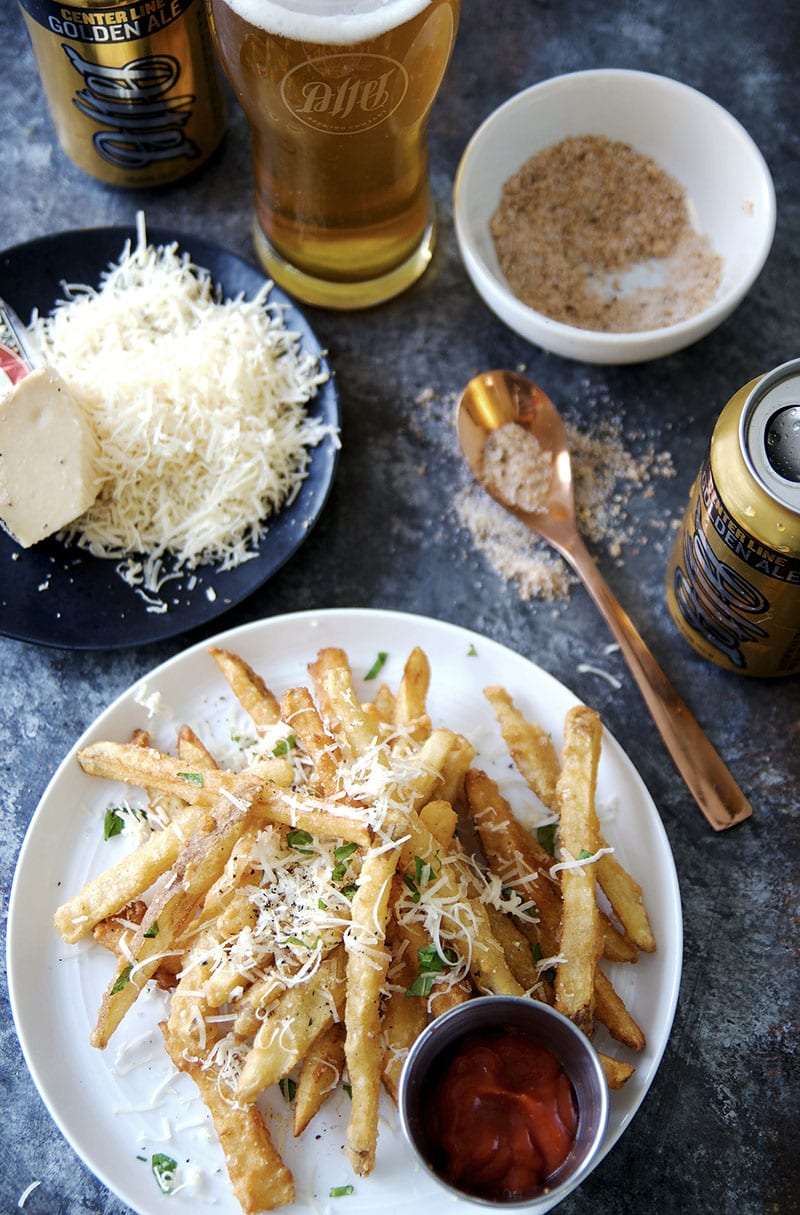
312 909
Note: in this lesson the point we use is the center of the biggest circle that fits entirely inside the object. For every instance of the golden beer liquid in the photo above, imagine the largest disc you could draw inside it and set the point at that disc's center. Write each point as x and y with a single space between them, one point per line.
133 88
733 579
344 216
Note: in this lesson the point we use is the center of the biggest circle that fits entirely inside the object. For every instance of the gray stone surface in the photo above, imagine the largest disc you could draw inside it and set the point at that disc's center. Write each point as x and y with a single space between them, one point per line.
718 1130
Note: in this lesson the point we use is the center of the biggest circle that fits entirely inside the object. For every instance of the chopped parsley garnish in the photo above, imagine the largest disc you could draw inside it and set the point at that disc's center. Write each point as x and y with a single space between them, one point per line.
423 872
152 931
472 652
550 973
342 854
349 891
288 1088
284 746
299 943
164 1172
341 1191
583 855
193 778
299 840
377 665
431 964
113 823
122 979
546 836
348 1088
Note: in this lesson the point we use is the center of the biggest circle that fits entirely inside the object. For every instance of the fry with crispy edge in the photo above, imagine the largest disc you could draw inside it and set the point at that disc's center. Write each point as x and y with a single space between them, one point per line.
580 941
367 966
293 1022
174 903
248 687
320 1073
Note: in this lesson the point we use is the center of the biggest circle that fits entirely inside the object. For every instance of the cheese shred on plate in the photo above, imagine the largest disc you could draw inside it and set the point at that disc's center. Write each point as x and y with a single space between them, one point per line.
199 407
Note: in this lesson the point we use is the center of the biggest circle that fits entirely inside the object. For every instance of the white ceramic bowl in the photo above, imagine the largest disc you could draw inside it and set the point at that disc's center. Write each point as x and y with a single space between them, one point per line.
729 190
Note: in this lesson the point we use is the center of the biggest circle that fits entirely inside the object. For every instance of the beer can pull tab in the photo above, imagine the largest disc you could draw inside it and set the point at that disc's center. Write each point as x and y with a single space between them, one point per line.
16 356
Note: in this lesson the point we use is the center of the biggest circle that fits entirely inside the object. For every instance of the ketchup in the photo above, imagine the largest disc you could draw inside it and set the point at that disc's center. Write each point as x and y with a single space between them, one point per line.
501 1115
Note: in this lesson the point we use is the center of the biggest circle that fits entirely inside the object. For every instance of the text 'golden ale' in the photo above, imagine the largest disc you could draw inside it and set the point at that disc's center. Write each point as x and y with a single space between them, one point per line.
338 99
133 89
733 581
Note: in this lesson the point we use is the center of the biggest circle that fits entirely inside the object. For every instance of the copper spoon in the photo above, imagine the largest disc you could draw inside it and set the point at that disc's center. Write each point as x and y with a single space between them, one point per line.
500 397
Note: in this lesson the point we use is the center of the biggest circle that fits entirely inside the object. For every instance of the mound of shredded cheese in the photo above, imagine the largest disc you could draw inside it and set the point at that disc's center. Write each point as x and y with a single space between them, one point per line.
198 404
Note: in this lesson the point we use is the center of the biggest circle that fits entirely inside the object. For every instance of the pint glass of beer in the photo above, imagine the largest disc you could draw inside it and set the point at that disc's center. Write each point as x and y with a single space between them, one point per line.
338 94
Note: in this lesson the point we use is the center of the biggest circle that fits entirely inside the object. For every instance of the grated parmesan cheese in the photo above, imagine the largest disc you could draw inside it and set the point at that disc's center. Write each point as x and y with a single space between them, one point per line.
198 404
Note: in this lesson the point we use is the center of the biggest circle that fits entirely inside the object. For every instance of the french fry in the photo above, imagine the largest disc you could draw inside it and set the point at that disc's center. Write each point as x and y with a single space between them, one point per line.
404 1017
348 719
530 747
367 965
617 1072
411 717
625 896
156 770
248 687
517 948
259 1178
320 1074
580 940
610 1010
173 905
116 933
301 715
293 1022
515 856
192 751
106 894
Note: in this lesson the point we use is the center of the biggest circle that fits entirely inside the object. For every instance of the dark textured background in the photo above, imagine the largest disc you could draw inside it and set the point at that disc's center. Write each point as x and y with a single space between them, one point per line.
718 1131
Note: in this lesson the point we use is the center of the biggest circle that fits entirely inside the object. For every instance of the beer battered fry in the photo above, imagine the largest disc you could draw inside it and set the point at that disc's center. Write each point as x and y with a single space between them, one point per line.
292 1024
580 939
259 1178
515 856
320 1073
166 773
347 717
301 715
411 716
617 1073
530 747
106 894
367 965
174 902
625 896
248 687
610 1010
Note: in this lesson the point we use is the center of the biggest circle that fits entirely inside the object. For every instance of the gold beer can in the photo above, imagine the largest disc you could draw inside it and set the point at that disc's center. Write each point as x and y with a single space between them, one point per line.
733 580
133 88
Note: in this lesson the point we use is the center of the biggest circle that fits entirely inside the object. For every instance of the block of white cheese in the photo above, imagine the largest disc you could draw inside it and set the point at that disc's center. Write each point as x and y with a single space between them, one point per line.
48 457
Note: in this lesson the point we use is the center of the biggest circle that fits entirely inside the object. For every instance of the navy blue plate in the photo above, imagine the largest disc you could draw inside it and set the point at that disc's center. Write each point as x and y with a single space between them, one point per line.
59 595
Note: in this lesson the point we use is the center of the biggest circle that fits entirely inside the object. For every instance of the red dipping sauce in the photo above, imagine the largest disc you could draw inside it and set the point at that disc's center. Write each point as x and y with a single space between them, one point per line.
501 1116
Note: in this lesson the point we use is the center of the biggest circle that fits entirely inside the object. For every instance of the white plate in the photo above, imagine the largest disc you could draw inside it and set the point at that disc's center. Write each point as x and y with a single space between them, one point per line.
112 1112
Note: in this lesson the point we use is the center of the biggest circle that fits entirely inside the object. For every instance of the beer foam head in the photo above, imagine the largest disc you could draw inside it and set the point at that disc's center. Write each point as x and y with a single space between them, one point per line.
341 22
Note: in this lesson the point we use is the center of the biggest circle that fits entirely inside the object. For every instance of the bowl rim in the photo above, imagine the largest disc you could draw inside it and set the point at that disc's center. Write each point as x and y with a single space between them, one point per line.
483 1006
693 327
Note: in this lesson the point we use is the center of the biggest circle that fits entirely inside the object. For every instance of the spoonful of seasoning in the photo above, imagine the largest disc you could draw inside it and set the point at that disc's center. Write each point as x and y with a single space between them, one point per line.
515 444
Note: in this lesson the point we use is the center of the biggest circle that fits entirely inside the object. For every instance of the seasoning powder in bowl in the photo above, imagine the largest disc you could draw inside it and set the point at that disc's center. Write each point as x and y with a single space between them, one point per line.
593 234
